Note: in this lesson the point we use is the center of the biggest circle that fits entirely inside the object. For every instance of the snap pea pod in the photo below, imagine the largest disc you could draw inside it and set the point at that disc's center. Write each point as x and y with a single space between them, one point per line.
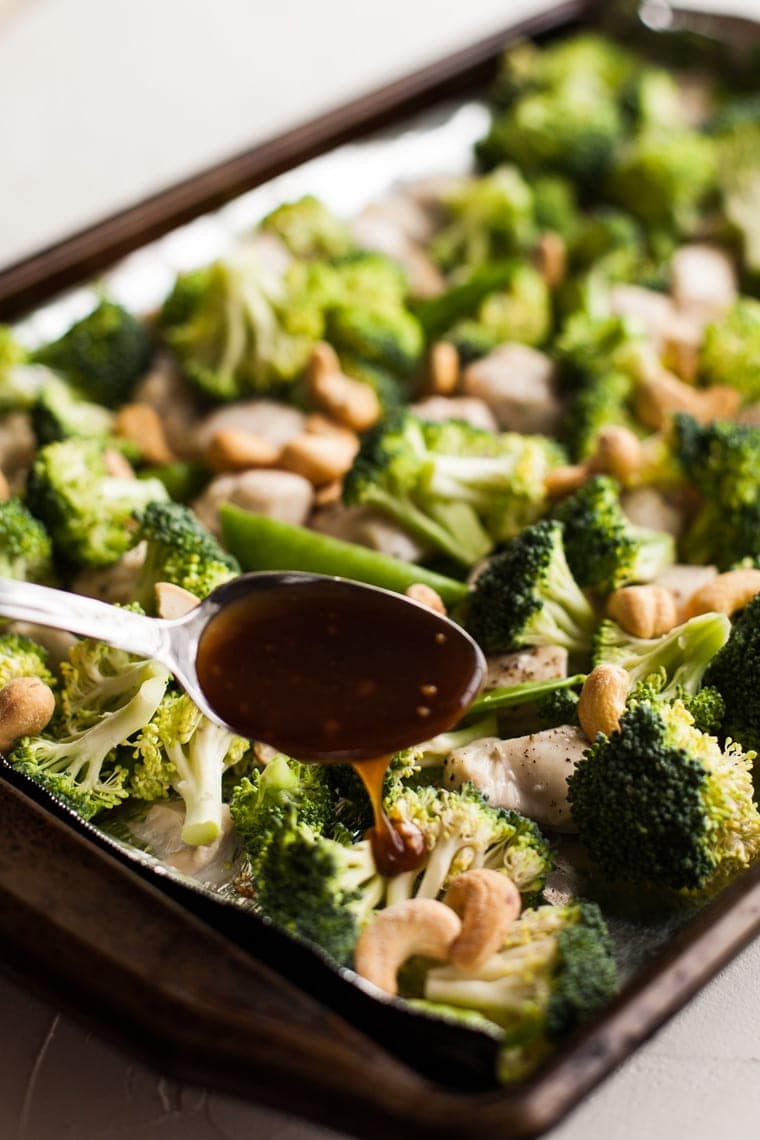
261 543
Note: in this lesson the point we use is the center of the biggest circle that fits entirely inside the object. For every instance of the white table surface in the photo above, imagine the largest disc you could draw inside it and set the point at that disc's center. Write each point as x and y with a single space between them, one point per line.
102 103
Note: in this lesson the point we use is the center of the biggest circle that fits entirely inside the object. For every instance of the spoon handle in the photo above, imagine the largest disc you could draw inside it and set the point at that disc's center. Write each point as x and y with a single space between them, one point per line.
135 633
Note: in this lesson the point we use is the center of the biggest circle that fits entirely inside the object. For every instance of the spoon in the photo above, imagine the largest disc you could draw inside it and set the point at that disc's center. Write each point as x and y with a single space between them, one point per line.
318 667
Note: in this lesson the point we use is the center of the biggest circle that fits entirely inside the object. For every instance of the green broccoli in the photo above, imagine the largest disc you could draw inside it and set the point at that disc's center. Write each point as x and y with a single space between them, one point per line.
586 57
88 512
554 971
26 551
602 401
731 350
735 672
229 326
462 832
283 786
555 206
107 697
679 657
526 595
181 551
22 657
20 381
59 412
102 355
736 130
182 750
558 706
722 460
308 228
488 219
458 488
665 178
660 802
604 549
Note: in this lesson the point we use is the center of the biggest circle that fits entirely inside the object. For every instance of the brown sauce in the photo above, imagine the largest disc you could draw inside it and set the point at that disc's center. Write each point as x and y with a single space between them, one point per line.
330 672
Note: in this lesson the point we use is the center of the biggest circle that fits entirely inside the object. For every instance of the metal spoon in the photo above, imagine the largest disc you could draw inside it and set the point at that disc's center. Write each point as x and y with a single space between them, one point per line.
175 644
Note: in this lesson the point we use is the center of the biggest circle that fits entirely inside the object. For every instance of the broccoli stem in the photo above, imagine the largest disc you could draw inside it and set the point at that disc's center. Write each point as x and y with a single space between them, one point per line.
200 783
510 696
261 543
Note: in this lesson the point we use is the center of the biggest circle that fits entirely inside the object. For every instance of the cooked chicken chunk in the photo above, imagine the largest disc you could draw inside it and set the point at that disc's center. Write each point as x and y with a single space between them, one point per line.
177 404
703 280
279 494
540 663
436 409
518 385
368 528
645 506
276 423
527 773
683 580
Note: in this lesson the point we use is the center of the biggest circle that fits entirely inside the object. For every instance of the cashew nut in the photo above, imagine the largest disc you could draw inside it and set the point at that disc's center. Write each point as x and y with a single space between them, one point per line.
551 258
352 402
443 369
172 601
142 424
602 700
26 706
617 452
426 596
660 394
329 494
415 926
117 465
488 903
724 594
565 480
231 449
319 458
644 611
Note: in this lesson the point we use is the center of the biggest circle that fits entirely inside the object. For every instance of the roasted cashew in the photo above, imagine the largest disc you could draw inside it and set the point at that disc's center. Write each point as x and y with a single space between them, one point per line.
26 706
320 458
602 700
415 926
551 258
443 369
142 424
488 903
565 480
172 601
426 596
231 449
617 452
644 611
724 594
660 394
352 402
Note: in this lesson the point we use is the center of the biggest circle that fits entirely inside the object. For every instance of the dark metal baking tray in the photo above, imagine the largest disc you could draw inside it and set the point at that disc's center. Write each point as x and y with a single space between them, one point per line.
208 989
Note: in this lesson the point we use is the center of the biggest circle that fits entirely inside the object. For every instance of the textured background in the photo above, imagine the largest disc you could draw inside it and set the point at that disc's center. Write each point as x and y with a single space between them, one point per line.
100 104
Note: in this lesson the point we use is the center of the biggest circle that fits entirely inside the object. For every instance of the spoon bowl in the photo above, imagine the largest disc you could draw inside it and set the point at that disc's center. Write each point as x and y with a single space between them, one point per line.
319 667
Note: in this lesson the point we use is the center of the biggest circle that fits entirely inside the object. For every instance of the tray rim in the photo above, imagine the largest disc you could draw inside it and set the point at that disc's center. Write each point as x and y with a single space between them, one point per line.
706 942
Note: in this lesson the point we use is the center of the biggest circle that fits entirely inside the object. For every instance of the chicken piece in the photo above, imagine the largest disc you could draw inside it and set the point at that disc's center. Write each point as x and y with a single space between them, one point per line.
115 584
436 409
519 385
653 311
160 830
368 527
647 507
540 663
397 227
177 404
526 773
17 445
682 580
703 281
275 423
279 494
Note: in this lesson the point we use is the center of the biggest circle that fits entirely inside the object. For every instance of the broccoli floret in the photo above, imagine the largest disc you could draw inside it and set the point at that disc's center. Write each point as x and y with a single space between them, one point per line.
604 549
181 551
182 750
102 708
521 312
558 706
731 349
653 98
22 657
590 346
555 205
735 672
26 551
660 802
456 487
20 381
309 229
680 656
587 58
737 135
102 355
601 401
554 971
665 178
526 595
722 460
282 787
229 327
60 413
462 832
88 512
488 219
